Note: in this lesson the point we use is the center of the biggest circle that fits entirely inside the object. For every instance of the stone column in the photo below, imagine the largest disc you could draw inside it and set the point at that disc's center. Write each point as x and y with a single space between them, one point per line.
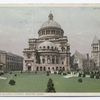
46 59
41 59
55 59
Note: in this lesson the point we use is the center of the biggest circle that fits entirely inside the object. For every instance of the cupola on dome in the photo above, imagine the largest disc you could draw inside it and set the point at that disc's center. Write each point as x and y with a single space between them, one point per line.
50 22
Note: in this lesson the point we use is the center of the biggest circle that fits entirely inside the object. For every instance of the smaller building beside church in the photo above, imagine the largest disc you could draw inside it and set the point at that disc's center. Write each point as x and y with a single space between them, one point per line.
10 62
82 62
95 52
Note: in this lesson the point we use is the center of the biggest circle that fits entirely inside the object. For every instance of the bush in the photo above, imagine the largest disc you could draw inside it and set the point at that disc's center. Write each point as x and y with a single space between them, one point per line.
50 86
68 72
12 82
21 72
55 72
1 73
15 75
64 74
59 73
35 72
80 74
84 75
10 73
48 73
91 75
80 80
97 77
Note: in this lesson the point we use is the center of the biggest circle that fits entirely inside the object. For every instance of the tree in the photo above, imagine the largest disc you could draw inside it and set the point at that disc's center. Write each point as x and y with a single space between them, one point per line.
50 86
48 73
12 82
80 74
80 80
84 75
92 75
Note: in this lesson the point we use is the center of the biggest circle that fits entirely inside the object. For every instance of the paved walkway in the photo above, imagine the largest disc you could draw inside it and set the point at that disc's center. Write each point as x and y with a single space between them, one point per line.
71 75
3 78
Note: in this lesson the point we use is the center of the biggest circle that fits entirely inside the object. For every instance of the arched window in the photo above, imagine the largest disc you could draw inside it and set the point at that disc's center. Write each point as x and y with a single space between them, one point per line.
63 68
52 68
62 62
56 68
43 46
40 68
47 31
37 69
52 47
56 60
48 68
53 60
44 69
48 47
43 60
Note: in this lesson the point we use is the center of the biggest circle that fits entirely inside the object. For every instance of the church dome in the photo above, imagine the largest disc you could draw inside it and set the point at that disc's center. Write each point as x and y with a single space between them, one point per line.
50 22
47 46
50 29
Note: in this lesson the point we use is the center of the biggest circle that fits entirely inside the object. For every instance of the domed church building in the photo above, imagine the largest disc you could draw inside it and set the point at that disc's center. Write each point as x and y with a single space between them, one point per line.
50 51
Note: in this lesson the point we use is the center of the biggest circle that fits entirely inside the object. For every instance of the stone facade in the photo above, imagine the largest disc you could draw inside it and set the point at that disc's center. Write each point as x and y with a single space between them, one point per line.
50 51
77 60
95 52
10 62
2 60
82 62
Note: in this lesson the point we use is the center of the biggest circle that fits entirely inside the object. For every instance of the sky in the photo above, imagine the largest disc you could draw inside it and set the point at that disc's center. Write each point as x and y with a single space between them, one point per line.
19 23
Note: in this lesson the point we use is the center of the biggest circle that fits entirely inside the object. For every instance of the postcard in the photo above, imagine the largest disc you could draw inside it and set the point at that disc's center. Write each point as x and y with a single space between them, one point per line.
49 50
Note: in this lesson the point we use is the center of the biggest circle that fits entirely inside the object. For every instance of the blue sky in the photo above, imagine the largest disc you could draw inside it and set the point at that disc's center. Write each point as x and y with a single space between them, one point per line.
18 24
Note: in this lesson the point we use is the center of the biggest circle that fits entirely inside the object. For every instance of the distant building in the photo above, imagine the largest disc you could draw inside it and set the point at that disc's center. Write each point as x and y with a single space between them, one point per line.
82 62
50 51
88 64
95 52
10 62
77 61
2 60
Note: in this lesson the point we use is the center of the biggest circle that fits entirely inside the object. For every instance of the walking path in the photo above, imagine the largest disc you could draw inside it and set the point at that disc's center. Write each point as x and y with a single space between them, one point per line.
3 78
71 75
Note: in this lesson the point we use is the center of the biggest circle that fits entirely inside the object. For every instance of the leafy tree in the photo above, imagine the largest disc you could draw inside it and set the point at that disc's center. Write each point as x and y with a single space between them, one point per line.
48 73
80 74
50 86
97 76
84 75
55 72
80 80
12 82
15 75
92 75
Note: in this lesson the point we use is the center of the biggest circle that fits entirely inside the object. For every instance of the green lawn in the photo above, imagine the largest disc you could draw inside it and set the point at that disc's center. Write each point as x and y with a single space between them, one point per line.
29 82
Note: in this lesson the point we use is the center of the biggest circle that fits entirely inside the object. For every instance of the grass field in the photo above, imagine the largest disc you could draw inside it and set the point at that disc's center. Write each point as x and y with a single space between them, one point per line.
29 82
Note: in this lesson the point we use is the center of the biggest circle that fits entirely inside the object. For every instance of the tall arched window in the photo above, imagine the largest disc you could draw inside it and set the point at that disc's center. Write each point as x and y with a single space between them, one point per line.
48 47
37 69
43 60
63 68
40 68
44 69
44 47
56 60
53 60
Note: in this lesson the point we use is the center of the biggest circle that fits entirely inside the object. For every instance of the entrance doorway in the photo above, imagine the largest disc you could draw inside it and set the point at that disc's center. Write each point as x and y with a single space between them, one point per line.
29 68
